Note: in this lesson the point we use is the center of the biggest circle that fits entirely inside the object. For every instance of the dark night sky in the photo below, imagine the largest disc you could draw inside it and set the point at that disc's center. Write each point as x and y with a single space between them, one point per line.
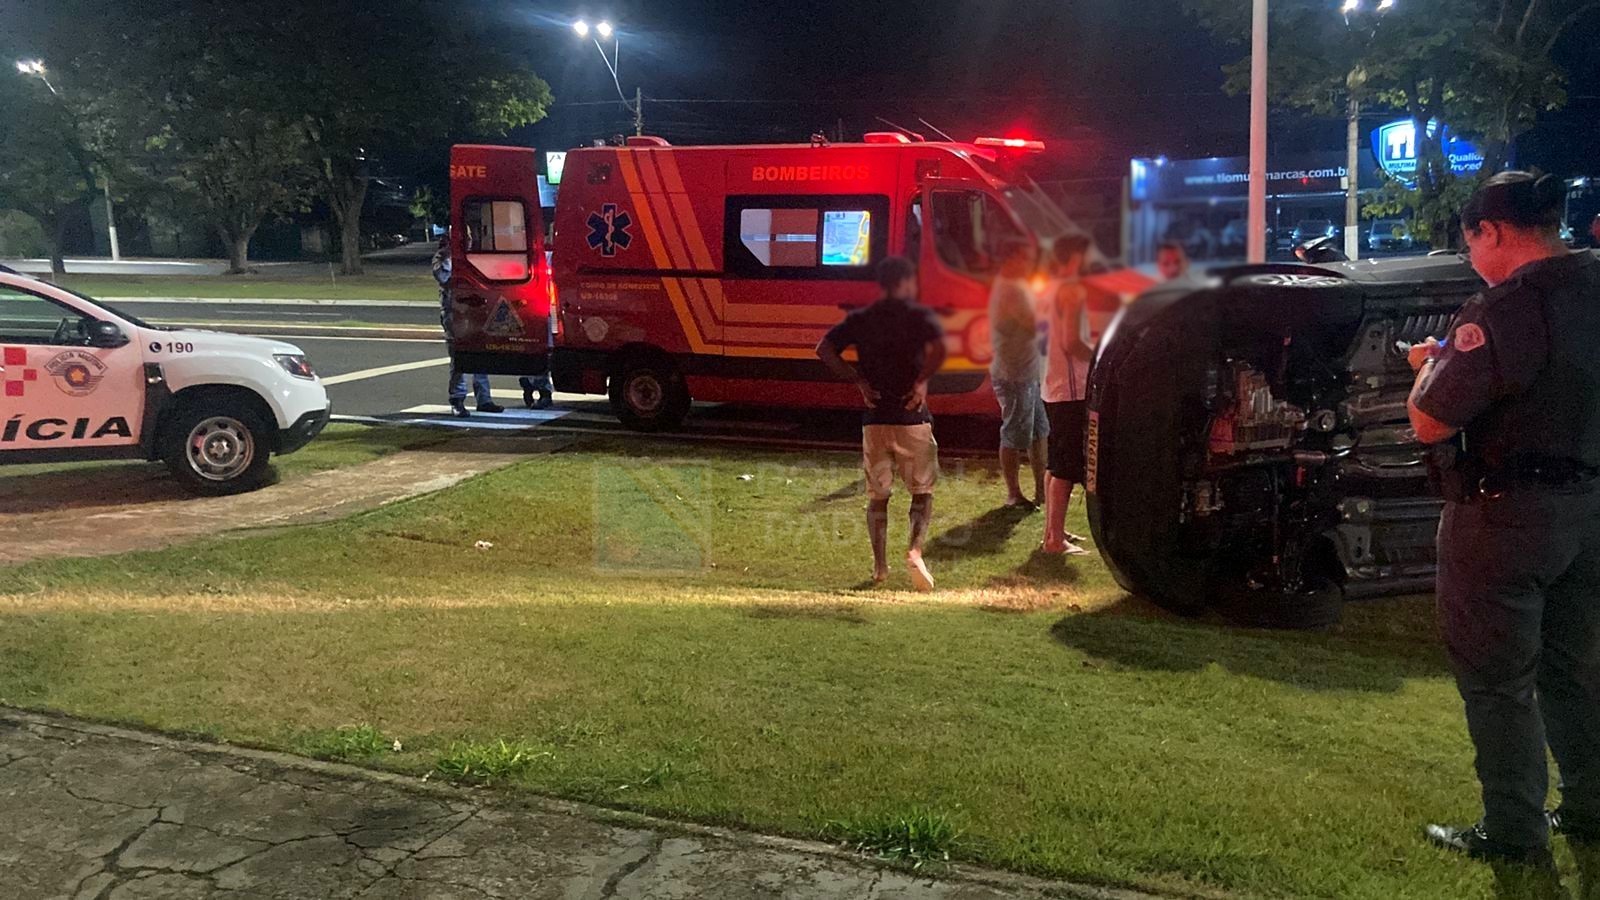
1107 79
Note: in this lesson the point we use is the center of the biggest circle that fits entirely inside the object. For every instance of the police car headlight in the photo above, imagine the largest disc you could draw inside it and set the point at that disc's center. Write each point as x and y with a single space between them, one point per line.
295 365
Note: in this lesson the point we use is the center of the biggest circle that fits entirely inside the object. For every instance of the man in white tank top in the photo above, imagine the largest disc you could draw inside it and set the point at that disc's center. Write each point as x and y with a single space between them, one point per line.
1066 385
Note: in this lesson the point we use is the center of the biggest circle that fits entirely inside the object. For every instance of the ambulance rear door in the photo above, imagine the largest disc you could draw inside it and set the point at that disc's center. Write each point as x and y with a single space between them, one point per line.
500 283
958 228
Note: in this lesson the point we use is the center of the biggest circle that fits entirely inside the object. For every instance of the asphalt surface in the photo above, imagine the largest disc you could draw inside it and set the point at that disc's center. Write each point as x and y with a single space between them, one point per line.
404 380
417 315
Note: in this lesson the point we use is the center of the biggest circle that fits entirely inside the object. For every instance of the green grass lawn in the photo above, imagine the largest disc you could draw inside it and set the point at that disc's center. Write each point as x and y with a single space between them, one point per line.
338 446
651 631
414 285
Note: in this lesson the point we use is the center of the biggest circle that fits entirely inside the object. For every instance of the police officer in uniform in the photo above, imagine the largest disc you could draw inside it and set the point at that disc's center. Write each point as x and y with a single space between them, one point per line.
1511 401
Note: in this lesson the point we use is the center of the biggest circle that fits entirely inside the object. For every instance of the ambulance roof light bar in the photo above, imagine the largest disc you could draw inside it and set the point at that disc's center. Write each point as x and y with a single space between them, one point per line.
1011 144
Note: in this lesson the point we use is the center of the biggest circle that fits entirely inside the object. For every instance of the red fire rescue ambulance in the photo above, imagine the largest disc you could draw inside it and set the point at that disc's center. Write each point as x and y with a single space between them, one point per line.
712 272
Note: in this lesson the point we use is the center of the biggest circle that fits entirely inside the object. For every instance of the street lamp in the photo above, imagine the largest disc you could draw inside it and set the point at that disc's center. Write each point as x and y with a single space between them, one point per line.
1353 83
604 31
34 68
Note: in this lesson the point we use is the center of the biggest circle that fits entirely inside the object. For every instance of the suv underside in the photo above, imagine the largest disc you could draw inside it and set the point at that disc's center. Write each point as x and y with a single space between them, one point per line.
1249 445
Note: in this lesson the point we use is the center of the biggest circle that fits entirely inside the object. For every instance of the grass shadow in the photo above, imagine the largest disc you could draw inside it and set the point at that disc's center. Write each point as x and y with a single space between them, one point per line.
986 535
857 488
1379 646
1041 568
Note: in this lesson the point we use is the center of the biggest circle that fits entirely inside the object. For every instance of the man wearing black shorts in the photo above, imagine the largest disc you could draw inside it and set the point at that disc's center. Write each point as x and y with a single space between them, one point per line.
1066 382
900 345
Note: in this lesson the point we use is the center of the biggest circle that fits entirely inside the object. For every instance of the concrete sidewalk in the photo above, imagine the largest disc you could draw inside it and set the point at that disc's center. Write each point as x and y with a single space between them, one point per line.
99 812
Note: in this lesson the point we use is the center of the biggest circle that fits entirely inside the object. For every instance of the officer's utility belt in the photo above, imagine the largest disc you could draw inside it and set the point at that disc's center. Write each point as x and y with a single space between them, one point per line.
1531 472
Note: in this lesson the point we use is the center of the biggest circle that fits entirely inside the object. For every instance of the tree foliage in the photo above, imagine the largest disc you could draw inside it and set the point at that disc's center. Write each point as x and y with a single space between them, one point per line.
242 112
47 170
414 73
1484 67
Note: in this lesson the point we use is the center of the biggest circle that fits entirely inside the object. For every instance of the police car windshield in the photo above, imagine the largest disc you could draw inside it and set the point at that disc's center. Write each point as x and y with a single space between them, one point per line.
132 320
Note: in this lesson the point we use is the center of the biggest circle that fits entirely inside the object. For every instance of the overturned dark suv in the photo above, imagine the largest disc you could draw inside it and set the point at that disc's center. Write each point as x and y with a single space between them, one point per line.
1249 450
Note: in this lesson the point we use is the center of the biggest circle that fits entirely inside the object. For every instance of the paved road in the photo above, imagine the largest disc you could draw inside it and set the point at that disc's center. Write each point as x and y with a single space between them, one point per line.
420 314
404 380
105 813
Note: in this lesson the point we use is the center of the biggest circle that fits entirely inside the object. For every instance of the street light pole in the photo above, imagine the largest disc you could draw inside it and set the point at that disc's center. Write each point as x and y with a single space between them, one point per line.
1352 196
1257 244
605 30
1354 84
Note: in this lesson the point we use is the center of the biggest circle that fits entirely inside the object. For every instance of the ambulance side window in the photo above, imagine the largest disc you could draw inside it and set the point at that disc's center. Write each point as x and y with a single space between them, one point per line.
969 230
30 319
497 238
817 236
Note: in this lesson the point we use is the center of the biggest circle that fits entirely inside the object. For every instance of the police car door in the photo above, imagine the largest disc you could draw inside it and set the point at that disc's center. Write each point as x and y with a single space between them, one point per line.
71 385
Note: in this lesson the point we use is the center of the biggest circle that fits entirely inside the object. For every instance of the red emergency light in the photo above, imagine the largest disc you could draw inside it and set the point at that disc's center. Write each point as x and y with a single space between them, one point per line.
1011 144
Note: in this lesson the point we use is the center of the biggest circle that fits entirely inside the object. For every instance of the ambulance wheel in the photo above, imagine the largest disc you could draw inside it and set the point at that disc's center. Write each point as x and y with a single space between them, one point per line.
649 394
215 447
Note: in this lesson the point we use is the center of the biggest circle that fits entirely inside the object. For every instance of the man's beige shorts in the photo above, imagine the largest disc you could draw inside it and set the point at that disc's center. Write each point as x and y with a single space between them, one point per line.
907 449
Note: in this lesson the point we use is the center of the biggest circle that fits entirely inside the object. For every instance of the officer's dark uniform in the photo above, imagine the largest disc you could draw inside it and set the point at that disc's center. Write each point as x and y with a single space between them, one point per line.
1519 544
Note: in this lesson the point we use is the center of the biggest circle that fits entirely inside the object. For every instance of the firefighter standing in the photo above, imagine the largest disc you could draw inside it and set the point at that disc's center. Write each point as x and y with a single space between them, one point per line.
1512 400
443 267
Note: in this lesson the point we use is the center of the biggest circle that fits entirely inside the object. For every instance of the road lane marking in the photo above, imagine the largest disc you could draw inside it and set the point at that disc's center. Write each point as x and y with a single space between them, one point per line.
364 374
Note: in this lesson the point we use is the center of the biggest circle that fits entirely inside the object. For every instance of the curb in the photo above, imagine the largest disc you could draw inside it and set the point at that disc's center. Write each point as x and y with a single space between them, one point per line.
541 804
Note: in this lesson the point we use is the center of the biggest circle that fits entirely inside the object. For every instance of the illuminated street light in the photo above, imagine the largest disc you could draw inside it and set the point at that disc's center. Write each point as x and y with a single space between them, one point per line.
605 30
1350 6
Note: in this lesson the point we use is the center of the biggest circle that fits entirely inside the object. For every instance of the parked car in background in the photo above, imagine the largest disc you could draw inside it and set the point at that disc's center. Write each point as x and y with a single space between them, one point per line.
1311 229
1390 234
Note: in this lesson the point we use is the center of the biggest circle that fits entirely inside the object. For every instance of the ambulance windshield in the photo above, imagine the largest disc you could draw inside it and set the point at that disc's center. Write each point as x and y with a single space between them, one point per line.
1037 211
1029 201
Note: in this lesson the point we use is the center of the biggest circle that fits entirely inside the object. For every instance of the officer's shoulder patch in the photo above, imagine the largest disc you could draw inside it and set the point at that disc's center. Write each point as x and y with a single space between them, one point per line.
1469 337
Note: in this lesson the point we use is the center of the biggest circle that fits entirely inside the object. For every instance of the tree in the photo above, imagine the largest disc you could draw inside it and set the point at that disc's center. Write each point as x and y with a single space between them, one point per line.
46 171
179 109
368 82
1483 67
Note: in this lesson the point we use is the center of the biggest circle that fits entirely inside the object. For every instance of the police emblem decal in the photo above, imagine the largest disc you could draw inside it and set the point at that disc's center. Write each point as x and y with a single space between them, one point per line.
608 230
76 372
1469 337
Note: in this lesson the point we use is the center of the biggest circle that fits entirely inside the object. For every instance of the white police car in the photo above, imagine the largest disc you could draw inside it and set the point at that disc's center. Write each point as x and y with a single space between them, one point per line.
81 381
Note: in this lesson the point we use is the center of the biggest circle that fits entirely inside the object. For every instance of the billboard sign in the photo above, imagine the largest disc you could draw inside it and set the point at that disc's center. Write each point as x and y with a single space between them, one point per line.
1395 146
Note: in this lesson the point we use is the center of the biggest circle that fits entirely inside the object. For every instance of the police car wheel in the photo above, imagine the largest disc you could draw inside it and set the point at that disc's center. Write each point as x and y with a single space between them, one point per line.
214 449
649 395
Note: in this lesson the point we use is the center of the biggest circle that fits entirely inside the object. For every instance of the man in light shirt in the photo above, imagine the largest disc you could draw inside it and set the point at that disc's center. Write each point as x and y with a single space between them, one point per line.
1015 371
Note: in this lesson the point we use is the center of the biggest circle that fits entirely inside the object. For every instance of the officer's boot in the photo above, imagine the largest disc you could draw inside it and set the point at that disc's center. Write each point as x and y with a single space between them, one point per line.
1528 881
1588 856
1583 837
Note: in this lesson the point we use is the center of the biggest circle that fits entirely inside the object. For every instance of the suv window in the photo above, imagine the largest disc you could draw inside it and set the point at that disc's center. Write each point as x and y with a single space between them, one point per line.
970 229
31 319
